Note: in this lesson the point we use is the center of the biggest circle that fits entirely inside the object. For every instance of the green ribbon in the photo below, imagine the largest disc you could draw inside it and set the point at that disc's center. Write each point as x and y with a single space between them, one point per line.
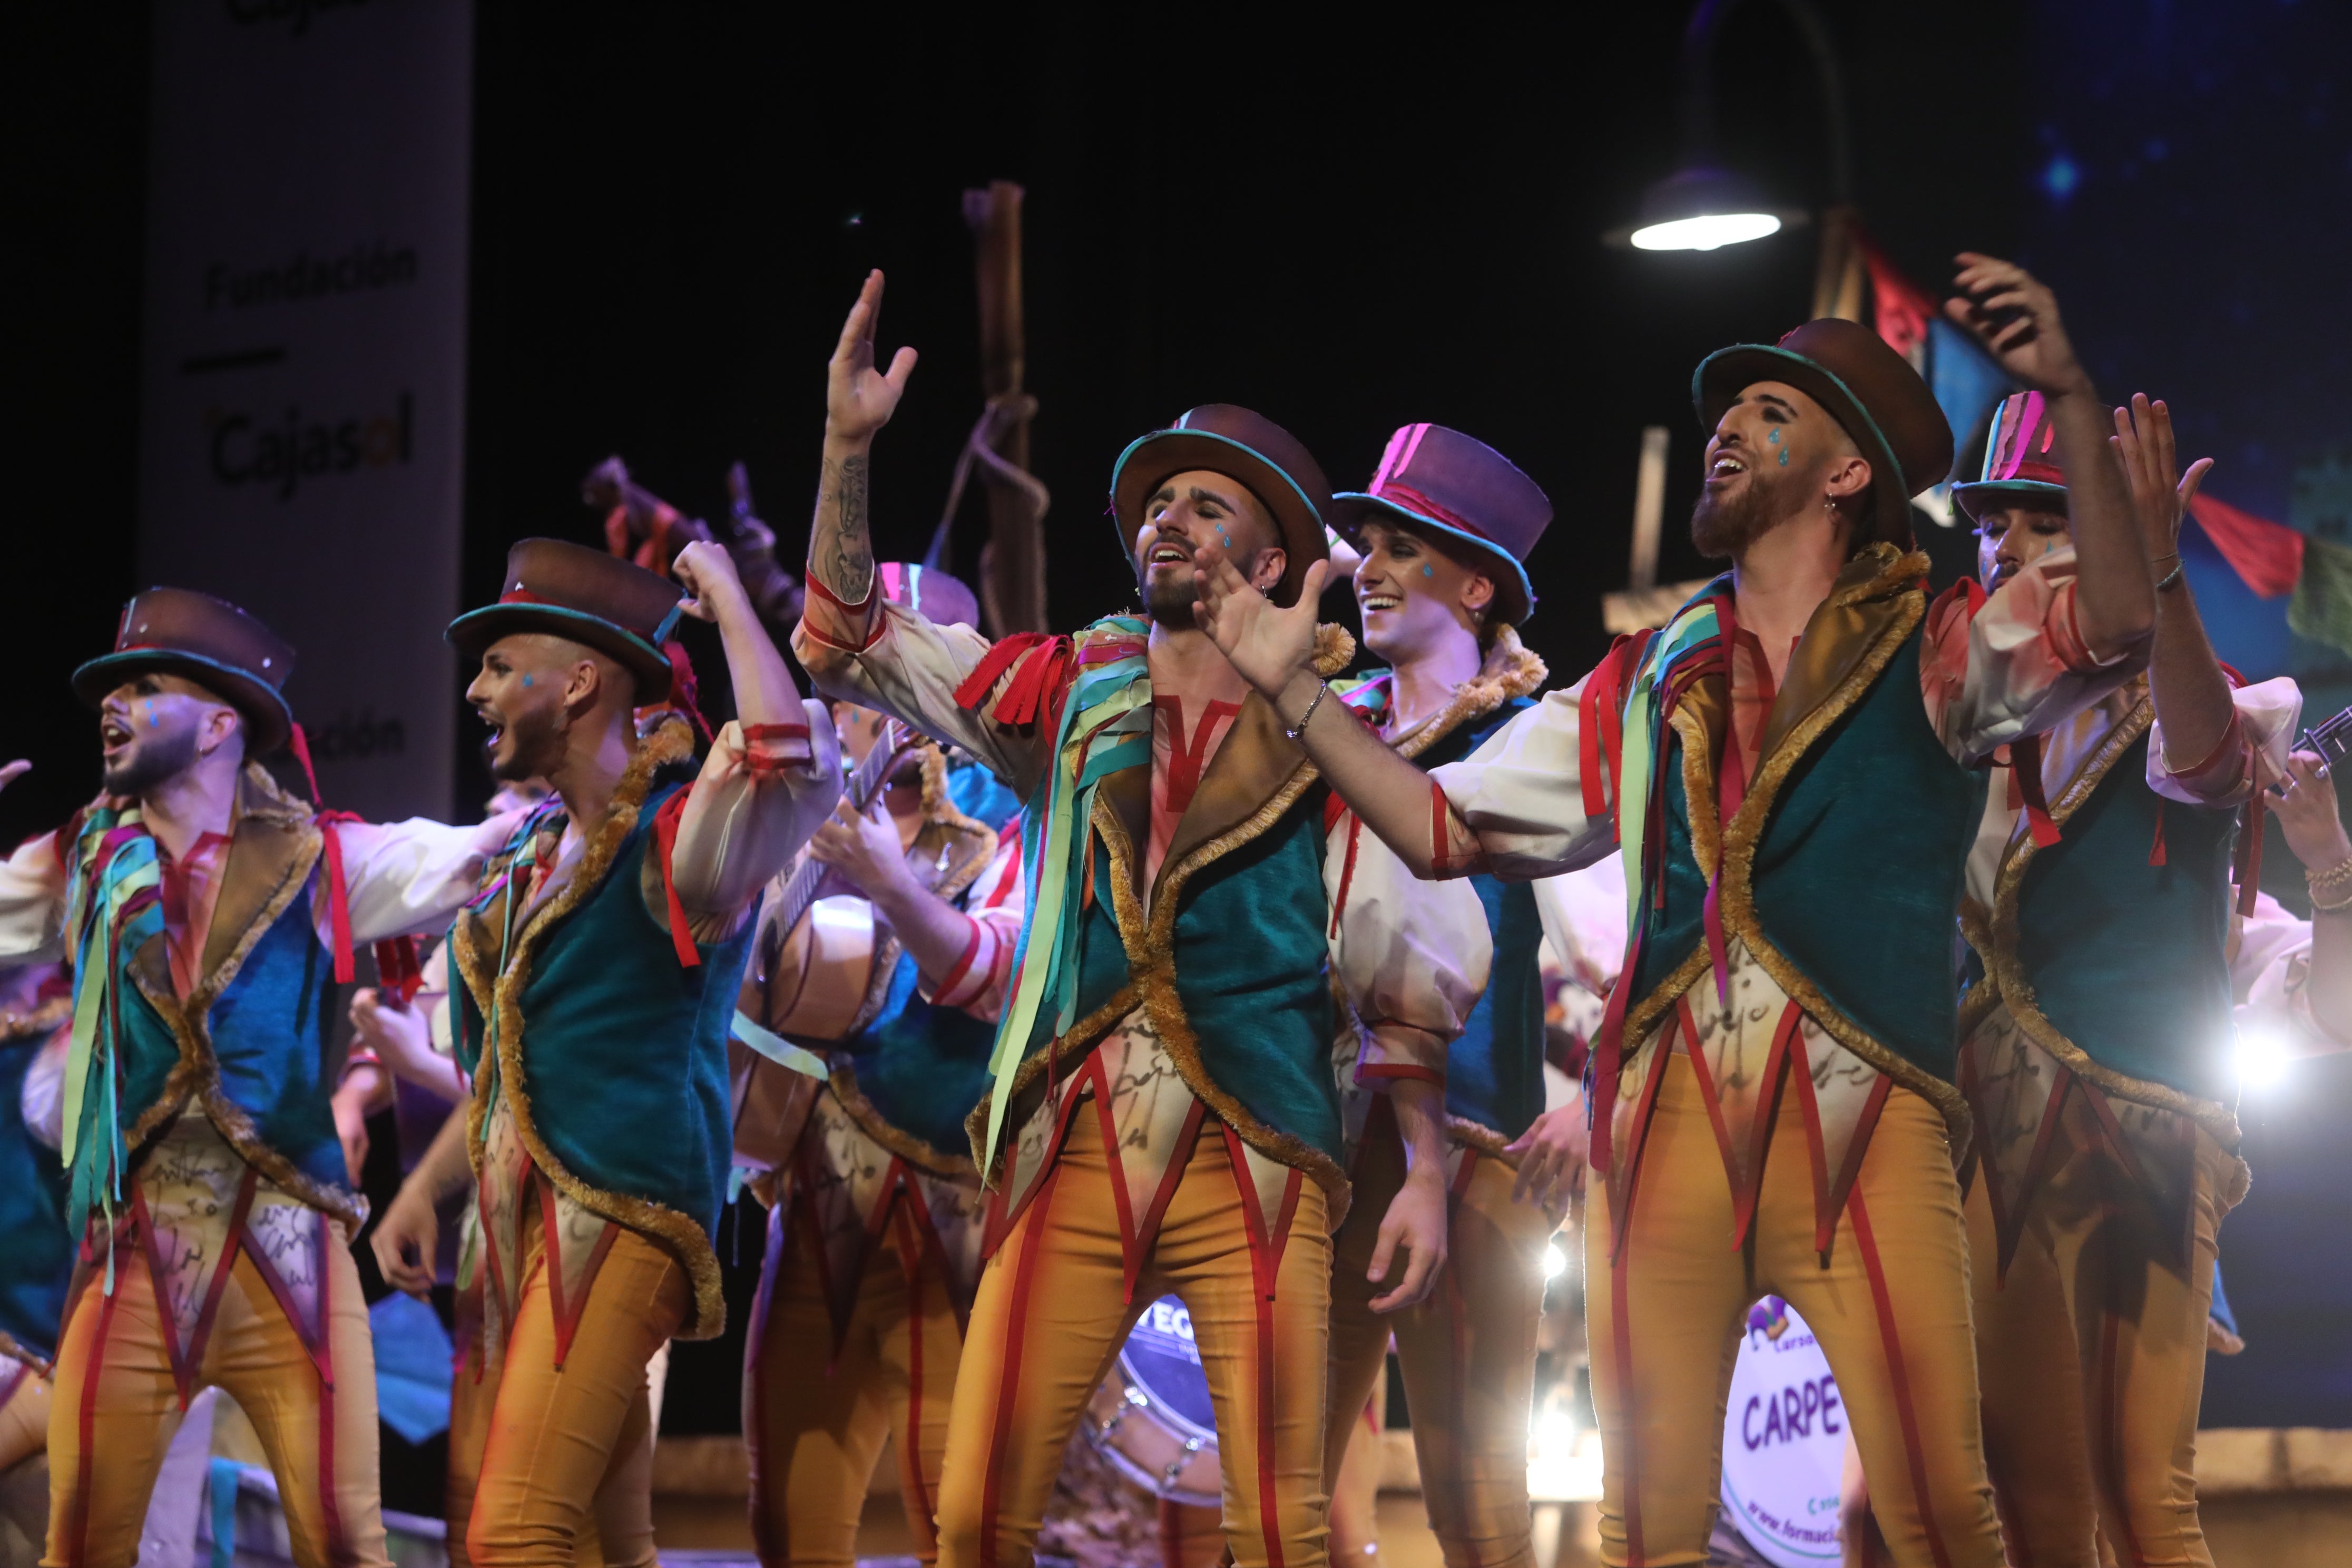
1106 727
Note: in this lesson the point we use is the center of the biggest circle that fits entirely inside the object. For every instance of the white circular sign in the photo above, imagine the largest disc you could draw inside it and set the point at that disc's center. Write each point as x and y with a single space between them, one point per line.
1783 1441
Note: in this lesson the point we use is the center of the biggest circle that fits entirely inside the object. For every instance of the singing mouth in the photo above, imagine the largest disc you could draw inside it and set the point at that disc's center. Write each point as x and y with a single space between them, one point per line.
1726 467
1373 603
113 734
1170 554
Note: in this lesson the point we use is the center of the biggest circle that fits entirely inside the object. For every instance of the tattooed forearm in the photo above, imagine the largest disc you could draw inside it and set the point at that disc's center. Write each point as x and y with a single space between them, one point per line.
841 553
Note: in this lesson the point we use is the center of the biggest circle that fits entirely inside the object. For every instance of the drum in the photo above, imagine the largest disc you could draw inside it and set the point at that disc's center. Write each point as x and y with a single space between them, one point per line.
1153 1417
1783 1442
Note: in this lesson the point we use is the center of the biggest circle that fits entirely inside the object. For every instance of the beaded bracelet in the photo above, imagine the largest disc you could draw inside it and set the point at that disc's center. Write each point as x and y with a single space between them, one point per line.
2320 905
2334 877
1295 731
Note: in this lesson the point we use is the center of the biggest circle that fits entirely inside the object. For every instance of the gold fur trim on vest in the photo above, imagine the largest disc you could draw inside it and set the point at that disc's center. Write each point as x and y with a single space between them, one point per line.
671 742
1892 600
1509 669
916 1151
2006 971
1151 964
280 835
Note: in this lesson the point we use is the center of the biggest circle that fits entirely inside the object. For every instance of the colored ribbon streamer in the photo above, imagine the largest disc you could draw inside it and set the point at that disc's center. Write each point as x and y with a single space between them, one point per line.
1104 725
779 1050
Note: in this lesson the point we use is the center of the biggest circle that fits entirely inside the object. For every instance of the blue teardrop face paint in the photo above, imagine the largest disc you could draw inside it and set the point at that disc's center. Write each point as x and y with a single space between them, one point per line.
1427 569
150 713
525 680
1784 456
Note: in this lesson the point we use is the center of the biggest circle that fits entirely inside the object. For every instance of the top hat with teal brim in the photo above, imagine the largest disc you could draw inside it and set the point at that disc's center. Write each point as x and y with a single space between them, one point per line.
1225 438
2020 465
1869 389
177 631
1439 481
565 590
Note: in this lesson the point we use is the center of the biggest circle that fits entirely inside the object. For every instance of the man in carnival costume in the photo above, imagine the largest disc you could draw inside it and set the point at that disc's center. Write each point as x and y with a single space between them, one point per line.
594 976
1442 534
874 1227
1190 907
2095 1033
1790 767
207 915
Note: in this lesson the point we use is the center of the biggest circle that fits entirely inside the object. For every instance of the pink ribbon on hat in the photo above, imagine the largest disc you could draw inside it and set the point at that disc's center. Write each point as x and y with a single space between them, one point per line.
1386 486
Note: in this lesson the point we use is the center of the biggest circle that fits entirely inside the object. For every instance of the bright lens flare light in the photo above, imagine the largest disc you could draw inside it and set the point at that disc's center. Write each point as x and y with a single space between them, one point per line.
1706 232
1555 1262
2263 1059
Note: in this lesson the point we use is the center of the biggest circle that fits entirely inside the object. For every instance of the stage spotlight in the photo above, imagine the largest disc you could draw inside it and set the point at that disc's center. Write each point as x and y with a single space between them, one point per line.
1702 208
1555 1261
2262 1057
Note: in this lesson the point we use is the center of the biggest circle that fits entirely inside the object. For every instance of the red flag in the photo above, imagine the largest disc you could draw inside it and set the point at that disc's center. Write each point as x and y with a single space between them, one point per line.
2268 555
1903 308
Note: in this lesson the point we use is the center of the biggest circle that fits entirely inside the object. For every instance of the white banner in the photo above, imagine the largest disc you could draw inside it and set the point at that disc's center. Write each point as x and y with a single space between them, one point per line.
302 437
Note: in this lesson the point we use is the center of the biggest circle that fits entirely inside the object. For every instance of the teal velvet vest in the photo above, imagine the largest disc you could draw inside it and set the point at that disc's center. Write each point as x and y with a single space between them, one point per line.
1857 876
1241 994
37 1249
1494 1070
2125 960
623 1050
270 1031
922 1067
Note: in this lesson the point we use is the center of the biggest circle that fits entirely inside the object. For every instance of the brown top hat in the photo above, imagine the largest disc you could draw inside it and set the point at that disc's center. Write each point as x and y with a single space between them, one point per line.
210 641
931 594
1440 482
1225 438
1866 386
571 591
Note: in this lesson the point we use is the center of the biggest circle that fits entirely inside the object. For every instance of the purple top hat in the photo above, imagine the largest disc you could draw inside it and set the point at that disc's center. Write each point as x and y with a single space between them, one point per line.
2020 465
1440 482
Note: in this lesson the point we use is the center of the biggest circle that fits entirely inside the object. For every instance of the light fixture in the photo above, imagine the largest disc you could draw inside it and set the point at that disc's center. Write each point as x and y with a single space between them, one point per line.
1702 208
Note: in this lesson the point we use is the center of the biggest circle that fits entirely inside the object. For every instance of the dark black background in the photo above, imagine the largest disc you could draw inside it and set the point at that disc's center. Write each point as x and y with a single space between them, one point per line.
1380 219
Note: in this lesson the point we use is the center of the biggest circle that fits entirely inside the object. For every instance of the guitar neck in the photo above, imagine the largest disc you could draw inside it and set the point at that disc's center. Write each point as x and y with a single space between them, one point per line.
2332 739
866 782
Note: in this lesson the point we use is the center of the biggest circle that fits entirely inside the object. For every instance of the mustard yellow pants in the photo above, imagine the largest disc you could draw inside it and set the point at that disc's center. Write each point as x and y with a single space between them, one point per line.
553 1433
623 1536
1890 1308
24 1413
1052 1312
814 1417
2093 1357
1468 1353
115 1407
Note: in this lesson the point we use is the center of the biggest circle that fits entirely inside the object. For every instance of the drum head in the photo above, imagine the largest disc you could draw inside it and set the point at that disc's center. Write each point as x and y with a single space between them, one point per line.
1783 1442
1163 1362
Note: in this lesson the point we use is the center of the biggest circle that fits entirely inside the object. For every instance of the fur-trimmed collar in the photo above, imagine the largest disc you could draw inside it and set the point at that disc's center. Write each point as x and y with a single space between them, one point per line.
1510 670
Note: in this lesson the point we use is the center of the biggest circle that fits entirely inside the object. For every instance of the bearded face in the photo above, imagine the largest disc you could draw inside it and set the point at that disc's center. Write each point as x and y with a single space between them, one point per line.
1729 516
151 730
1774 453
1199 510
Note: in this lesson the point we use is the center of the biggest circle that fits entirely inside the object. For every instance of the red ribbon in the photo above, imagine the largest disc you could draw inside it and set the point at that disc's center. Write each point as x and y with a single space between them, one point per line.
399 975
339 903
1401 494
665 839
682 690
2025 788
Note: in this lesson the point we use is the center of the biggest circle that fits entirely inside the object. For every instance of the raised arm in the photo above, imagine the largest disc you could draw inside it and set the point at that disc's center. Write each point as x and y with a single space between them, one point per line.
1515 808
772 775
32 894
2193 709
2015 316
858 401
